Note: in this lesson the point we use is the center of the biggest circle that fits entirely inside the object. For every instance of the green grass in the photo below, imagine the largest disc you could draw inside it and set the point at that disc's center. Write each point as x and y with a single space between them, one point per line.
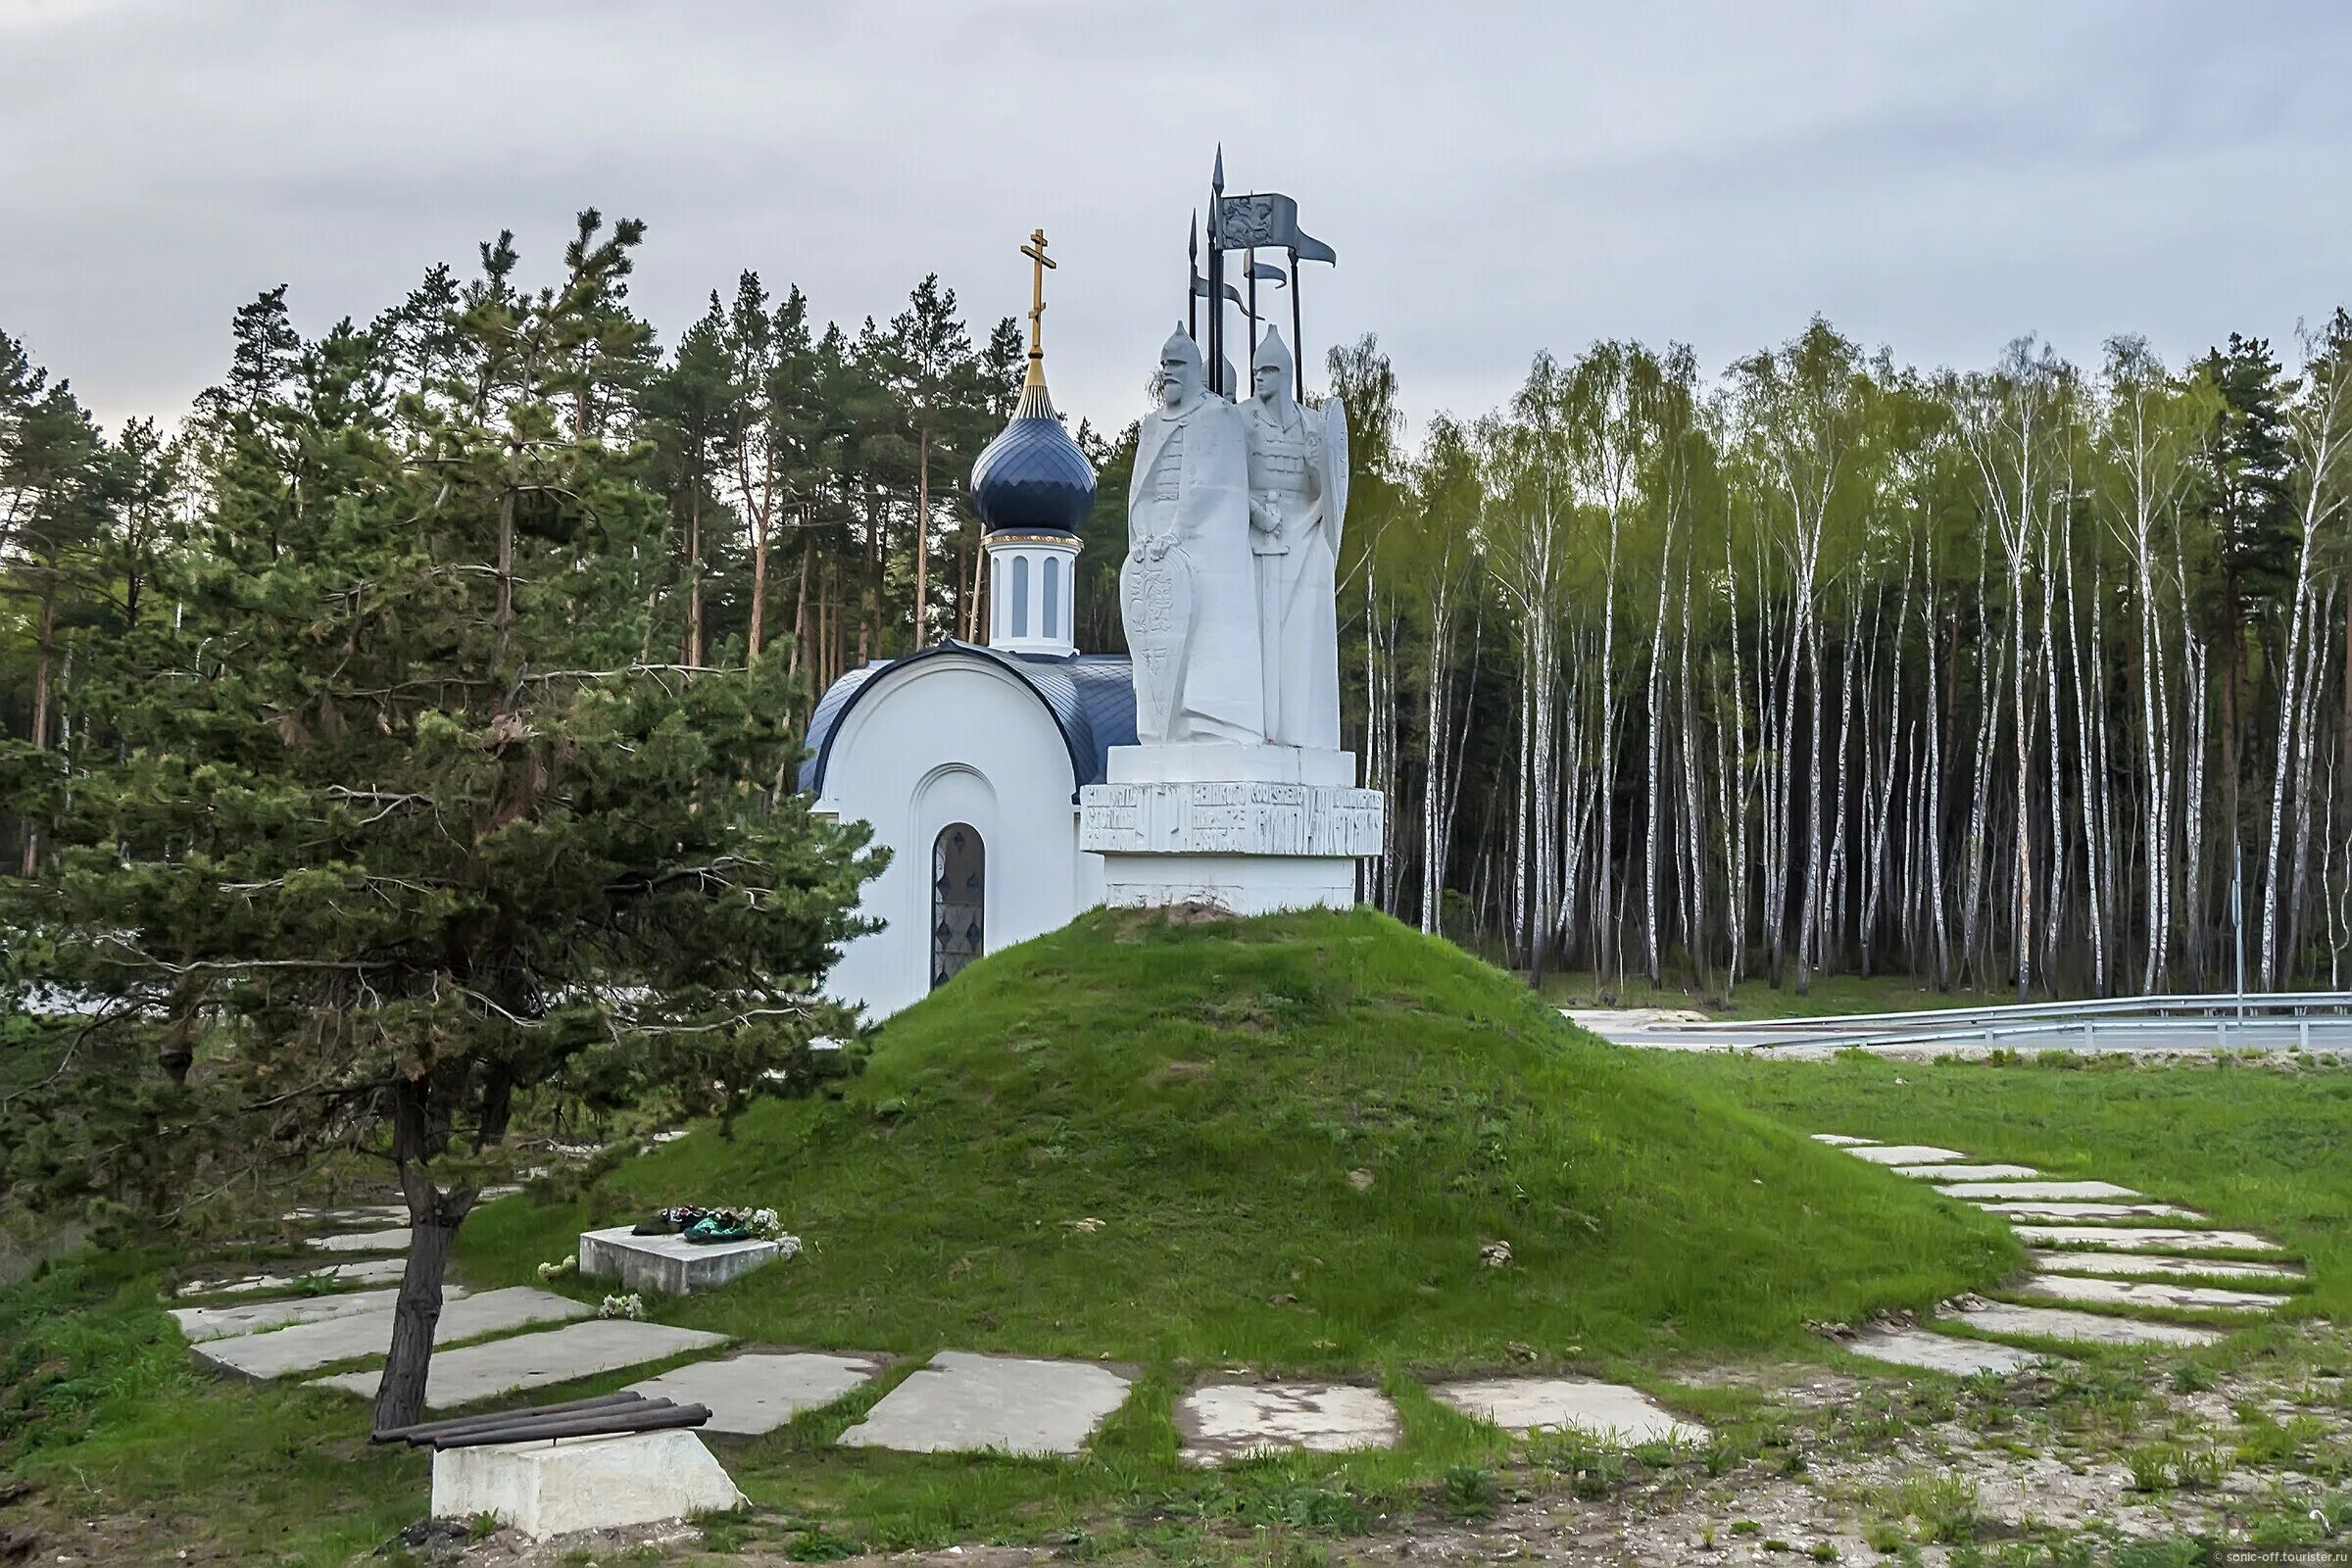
1204 1093
2257 1147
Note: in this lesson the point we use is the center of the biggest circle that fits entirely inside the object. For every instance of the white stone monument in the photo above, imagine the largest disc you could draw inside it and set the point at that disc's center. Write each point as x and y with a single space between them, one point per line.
1236 795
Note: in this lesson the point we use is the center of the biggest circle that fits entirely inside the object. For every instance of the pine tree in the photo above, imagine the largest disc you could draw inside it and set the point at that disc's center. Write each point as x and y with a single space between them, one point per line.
399 824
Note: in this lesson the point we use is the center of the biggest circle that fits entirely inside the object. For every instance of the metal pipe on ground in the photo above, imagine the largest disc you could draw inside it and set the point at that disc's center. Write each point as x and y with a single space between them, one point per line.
589 1425
421 1429
532 1420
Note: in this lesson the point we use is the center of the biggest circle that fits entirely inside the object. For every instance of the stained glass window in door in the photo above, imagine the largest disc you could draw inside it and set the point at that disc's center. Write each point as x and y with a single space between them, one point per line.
959 900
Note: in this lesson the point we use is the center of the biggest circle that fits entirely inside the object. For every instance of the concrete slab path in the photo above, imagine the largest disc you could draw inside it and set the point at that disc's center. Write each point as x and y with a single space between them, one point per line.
1606 1410
758 1391
2143 1238
2015 1189
1968 1173
1840 1140
2064 1212
2058 1323
962 1402
200 1323
1905 1154
395 1239
307 1347
368 1271
1940 1352
535 1360
2148 1293
1221 1421
2156 1263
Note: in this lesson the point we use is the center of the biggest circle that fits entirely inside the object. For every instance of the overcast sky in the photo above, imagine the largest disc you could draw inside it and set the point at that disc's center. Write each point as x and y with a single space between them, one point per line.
1937 177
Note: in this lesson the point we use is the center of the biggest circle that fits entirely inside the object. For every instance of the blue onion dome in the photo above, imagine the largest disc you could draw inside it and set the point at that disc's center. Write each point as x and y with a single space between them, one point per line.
1033 478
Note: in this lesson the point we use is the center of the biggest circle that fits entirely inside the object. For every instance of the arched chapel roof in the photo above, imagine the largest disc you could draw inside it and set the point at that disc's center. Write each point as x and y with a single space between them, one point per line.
1090 698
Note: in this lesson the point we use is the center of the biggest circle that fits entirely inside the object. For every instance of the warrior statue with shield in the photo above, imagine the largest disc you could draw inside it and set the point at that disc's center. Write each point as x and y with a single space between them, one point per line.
1187 591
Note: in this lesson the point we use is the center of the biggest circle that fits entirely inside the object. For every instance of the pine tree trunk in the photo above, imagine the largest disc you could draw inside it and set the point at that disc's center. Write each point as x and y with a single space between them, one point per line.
44 651
757 635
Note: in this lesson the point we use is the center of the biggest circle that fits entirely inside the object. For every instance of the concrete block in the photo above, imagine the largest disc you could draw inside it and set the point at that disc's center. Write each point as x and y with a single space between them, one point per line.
2149 1293
2013 1190
1840 1140
2143 1238
1940 1352
962 1402
1607 1410
2057 1323
669 1265
749 1394
1221 1421
305 1347
1968 1173
1904 1154
2156 1263
535 1360
548 1489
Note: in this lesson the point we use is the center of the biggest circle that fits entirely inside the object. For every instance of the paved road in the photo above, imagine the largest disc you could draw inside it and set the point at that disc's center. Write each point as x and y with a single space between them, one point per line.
1975 1033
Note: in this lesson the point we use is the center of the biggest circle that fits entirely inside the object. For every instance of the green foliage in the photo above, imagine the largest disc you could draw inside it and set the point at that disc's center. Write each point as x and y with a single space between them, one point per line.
400 815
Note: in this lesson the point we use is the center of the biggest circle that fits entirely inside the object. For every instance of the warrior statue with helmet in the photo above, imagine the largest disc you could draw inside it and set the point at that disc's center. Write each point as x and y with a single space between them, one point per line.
1188 591
1298 498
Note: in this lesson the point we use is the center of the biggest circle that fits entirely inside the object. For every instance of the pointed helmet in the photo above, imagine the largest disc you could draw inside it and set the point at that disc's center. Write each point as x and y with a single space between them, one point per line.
1272 353
1180 346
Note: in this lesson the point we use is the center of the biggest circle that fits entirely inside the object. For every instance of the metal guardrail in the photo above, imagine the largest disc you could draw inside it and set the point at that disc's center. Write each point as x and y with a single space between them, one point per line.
2096 1034
2222 1005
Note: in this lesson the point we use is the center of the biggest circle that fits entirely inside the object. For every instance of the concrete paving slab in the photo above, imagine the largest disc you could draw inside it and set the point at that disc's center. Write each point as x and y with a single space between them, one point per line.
2028 1190
1607 1410
1940 1352
395 1239
1014 1404
2143 1238
2148 1293
670 1264
1839 1140
2058 1323
305 1347
200 1323
573 1484
1905 1154
375 1214
2039 1210
1221 1421
368 1271
535 1360
756 1393
1969 1173
2134 1263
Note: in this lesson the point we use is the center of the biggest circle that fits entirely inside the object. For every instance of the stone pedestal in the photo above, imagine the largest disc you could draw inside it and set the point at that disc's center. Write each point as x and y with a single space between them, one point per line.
1250 829
670 1264
554 1488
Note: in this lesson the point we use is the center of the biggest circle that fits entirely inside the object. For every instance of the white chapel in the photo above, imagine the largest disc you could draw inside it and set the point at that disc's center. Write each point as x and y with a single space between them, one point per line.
968 760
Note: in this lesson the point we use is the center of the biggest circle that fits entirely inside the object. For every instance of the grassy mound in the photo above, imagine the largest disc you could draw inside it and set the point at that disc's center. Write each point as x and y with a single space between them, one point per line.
1281 1141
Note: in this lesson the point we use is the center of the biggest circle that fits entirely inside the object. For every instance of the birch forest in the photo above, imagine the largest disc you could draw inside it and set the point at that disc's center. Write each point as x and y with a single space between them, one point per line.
2031 676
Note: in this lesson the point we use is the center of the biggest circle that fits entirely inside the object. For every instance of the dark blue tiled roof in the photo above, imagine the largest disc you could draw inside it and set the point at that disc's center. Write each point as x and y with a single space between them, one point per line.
1033 478
1090 697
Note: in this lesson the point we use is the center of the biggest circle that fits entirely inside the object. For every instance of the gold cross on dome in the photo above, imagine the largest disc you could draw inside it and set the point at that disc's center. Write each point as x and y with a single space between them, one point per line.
1035 250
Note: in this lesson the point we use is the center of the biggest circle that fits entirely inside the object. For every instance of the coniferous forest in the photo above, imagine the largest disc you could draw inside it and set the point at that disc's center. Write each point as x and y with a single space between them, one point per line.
2014 676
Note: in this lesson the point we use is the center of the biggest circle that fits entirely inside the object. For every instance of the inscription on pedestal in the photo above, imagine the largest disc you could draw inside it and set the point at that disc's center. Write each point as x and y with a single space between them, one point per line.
1229 818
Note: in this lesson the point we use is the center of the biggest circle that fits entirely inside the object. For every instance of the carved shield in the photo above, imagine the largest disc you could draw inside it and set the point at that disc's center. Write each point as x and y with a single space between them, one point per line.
1157 602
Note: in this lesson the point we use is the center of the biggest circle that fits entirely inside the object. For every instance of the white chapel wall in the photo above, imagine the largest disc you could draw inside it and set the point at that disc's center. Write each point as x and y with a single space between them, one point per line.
948 740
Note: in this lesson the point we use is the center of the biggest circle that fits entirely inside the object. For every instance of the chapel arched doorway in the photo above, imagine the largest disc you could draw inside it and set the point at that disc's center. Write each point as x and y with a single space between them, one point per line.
959 900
